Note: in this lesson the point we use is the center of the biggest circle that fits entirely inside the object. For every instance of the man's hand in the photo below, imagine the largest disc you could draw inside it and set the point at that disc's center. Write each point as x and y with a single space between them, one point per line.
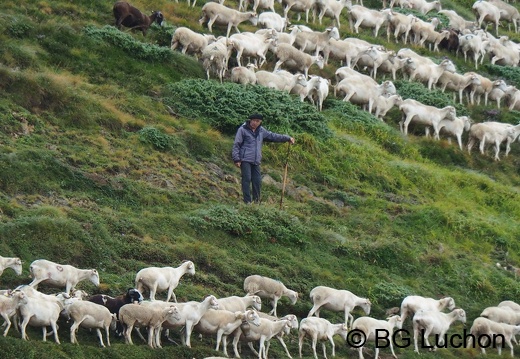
291 141
238 164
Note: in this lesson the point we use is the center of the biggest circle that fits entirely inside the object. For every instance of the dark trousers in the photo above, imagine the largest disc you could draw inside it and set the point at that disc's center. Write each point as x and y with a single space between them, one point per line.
250 175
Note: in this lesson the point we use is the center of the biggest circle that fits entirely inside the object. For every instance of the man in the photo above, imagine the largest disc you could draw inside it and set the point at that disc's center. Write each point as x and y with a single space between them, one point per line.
247 153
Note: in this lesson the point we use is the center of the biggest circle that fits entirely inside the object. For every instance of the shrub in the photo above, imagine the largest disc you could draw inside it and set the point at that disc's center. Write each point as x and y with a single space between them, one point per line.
226 106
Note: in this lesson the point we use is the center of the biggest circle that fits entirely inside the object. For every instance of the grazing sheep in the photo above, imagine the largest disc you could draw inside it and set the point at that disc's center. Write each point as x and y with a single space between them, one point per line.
7 310
434 322
155 279
189 314
129 16
59 275
37 312
240 304
337 300
485 11
272 20
501 315
370 327
224 322
494 132
302 61
262 333
293 325
456 127
13 263
214 13
499 333
136 315
414 111
269 288
244 75
320 329
413 303
280 80
92 316
215 57
510 304
191 42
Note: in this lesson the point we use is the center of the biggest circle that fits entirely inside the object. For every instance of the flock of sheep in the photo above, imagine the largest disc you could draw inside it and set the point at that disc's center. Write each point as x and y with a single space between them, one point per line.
301 48
237 317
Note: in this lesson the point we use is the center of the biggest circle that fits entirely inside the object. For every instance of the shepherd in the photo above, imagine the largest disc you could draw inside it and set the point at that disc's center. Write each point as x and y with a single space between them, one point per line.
247 154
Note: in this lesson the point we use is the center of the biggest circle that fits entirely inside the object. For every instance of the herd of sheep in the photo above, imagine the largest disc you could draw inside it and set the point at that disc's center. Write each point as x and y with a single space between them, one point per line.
238 317
299 49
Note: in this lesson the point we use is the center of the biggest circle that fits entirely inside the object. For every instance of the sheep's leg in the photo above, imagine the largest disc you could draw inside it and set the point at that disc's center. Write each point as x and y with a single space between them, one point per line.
55 330
252 348
280 339
189 329
7 323
128 334
314 341
23 328
107 333
325 350
73 330
100 336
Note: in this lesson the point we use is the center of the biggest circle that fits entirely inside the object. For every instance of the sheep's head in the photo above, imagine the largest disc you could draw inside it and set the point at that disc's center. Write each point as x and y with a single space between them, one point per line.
158 17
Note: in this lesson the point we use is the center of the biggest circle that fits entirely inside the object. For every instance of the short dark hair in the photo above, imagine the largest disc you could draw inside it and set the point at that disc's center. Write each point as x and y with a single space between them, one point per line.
256 116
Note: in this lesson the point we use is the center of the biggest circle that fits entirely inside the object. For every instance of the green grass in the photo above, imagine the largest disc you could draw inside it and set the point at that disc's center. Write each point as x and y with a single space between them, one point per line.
115 154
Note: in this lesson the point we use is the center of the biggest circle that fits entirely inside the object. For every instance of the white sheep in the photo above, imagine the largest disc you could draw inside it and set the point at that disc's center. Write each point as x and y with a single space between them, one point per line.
486 333
215 57
189 314
218 14
60 275
338 301
473 44
92 316
417 112
280 80
360 16
293 325
413 303
371 327
456 127
269 288
13 263
240 304
493 132
253 45
244 75
425 7
509 303
360 92
332 9
314 42
262 333
137 315
322 330
302 61
485 11
224 322
385 103
434 322
431 73
156 279
38 312
191 42
501 315
298 6
508 13
319 92
456 82
272 20
7 310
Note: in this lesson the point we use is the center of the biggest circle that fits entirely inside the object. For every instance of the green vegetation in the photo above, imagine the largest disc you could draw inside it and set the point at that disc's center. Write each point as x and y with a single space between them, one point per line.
115 154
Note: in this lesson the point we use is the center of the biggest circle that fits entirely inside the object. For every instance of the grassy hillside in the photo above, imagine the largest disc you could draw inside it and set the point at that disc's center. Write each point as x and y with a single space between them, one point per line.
115 154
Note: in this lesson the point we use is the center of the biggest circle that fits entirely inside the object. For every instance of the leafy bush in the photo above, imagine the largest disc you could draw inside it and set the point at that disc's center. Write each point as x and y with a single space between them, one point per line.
255 222
156 138
226 106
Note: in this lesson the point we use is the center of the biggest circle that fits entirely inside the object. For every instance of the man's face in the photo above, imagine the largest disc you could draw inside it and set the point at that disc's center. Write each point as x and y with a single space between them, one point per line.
255 123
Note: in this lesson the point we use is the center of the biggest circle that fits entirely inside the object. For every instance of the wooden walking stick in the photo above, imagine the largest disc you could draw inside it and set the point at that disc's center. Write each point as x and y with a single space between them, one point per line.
285 173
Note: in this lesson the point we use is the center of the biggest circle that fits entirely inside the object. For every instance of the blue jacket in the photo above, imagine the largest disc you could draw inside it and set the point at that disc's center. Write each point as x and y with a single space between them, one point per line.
248 144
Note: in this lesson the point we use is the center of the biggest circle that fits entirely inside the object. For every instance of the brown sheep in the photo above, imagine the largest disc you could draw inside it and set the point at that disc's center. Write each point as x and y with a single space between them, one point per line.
129 16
